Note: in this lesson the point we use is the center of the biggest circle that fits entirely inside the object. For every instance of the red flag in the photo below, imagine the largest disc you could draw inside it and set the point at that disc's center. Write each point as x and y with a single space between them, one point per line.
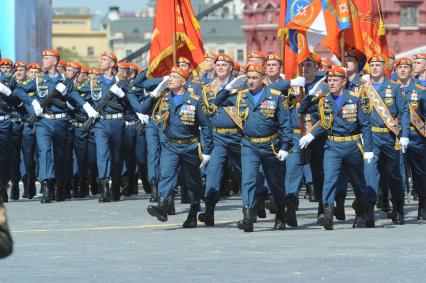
174 20
342 19
372 29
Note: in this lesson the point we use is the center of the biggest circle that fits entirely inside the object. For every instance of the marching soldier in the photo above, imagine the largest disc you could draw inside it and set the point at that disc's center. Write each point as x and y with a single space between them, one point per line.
388 109
51 128
180 112
266 140
226 136
419 68
33 70
344 116
415 95
208 71
257 57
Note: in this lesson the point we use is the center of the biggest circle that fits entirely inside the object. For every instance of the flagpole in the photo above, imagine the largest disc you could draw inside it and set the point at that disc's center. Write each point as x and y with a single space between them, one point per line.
342 49
174 32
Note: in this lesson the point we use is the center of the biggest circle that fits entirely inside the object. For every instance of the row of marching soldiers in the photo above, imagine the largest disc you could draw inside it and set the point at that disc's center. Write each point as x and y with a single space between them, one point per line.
347 126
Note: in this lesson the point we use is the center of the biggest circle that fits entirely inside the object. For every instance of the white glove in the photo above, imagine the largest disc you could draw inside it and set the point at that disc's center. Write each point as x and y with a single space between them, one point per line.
368 156
161 86
306 140
235 83
117 91
298 81
404 143
37 107
92 113
61 88
5 90
282 76
144 118
206 159
317 87
282 155
366 77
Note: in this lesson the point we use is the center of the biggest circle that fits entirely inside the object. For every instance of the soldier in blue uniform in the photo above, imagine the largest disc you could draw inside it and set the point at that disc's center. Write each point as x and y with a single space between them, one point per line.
388 109
266 140
51 128
419 68
208 74
344 117
226 137
6 87
415 95
16 137
181 115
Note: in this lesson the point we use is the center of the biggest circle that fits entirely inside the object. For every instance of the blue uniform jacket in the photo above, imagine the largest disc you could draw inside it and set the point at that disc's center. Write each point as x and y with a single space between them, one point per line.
265 118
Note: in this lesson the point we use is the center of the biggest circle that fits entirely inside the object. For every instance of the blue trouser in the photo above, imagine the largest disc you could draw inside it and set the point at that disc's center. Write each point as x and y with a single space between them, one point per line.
29 149
51 137
15 151
384 153
416 158
339 157
253 155
307 173
5 134
294 169
91 155
152 131
109 138
129 149
184 157
70 145
141 148
225 147
317 164
81 142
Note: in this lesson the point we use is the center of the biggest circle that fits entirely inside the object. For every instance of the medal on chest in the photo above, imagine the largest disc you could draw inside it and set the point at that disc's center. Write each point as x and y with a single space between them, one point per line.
349 112
268 107
388 100
187 114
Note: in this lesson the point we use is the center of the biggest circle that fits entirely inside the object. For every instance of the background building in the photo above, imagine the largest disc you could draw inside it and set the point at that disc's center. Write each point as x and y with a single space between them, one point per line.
405 23
74 37
26 29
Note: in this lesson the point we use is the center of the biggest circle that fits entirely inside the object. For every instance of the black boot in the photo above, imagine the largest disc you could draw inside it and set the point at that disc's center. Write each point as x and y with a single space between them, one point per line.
144 178
160 210
208 217
369 221
115 189
183 194
94 186
270 205
45 186
26 192
105 191
84 187
260 206
339 209
360 208
3 193
171 204
422 209
398 214
292 203
14 191
67 185
311 192
246 223
135 186
153 197
60 190
191 220
126 184
326 219
33 189
280 218
76 193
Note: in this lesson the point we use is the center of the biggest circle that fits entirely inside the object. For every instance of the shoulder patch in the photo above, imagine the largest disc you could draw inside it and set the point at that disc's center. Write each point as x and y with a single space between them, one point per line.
275 91
420 86
194 96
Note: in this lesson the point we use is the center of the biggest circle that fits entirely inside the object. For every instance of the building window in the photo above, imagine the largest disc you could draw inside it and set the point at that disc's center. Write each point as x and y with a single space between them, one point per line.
90 51
409 17
240 55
